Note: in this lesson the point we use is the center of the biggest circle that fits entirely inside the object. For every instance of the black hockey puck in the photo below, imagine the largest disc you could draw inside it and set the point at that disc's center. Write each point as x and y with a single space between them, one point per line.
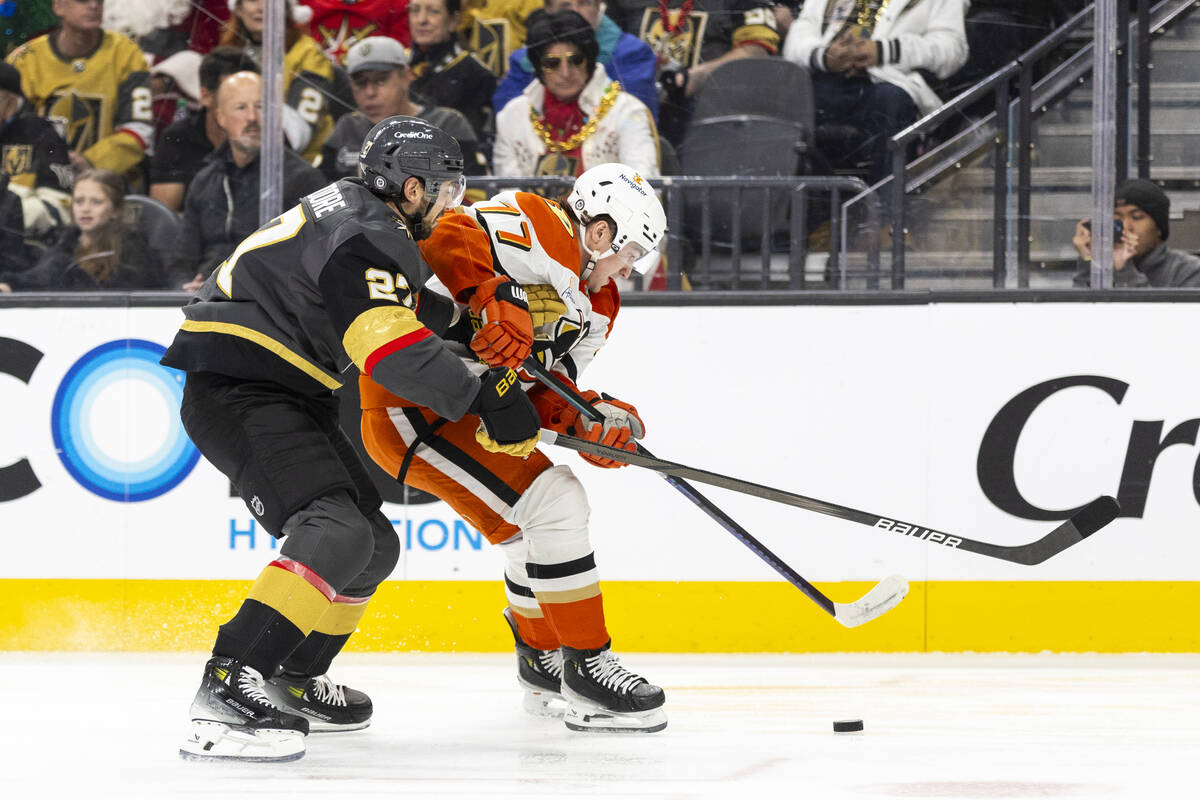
847 725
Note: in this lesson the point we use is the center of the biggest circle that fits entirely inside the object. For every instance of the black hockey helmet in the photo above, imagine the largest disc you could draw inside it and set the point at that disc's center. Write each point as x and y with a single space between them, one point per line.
402 147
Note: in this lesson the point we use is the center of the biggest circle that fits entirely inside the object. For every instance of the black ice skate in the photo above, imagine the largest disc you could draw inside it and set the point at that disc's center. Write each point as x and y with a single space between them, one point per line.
540 673
602 695
234 719
328 707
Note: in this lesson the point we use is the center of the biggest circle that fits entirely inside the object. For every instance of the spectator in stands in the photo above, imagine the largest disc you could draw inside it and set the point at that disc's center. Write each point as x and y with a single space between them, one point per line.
221 206
34 158
380 77
99 251
447 75
337 25
573 116
92 82
866 63
626 58
307 73
185 145
493 29
692 38
174 89
1140 258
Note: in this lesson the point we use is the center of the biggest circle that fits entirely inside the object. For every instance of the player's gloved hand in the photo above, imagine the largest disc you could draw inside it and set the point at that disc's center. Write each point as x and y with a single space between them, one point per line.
545 306
508 421
505 336
621 428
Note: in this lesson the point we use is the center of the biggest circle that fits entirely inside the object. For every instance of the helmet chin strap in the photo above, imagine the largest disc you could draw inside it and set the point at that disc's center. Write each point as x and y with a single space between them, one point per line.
593 255
416 221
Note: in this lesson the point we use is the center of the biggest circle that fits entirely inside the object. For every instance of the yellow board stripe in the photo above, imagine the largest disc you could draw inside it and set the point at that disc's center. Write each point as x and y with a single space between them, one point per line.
291 595
262 340
341 618
687 617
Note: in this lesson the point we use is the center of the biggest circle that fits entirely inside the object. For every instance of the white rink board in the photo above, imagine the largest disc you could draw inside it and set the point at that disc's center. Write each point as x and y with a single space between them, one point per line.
881 408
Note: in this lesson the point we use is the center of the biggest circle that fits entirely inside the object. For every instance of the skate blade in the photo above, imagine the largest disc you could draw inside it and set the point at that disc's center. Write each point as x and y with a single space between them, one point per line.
544 704
315 726
216 741
590 719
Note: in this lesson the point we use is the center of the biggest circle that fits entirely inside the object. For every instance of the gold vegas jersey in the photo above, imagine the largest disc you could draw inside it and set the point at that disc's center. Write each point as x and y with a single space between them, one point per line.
100 102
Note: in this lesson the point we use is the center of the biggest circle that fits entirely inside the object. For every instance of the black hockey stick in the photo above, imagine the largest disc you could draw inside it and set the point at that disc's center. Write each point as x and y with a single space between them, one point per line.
881 598
1091 518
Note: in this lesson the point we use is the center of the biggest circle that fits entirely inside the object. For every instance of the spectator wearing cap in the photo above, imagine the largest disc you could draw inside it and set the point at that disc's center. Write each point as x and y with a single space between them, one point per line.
185 144
1140 256
380 78
221 206
626 58
34 165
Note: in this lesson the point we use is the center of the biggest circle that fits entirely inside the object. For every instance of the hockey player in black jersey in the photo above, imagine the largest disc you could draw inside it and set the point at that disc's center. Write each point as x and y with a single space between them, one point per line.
333 282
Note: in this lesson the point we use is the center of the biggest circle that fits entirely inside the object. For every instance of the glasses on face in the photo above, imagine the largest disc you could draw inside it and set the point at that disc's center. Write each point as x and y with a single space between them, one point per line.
551 63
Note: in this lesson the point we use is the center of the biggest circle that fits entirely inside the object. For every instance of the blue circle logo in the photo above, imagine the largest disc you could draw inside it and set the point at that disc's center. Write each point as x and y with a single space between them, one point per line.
116 426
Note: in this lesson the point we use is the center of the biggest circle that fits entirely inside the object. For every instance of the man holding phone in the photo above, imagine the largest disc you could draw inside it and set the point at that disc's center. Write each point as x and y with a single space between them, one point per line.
1141 219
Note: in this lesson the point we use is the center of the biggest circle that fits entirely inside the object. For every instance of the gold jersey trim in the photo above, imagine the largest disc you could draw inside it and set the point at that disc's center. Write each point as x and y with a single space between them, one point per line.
262 340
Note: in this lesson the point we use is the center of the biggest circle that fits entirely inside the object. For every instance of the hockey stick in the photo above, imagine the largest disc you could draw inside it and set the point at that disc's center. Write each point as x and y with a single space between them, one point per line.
881 598
1091 518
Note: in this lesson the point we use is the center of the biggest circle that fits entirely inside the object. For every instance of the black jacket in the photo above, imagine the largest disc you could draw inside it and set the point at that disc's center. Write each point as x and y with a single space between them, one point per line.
212 226
57 269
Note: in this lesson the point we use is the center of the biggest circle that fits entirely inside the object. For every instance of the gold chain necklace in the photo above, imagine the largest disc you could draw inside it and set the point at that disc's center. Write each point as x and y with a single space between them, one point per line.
606 103
866 16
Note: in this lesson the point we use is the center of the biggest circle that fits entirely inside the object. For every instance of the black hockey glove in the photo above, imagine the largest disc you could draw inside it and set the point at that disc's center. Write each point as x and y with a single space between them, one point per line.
508 421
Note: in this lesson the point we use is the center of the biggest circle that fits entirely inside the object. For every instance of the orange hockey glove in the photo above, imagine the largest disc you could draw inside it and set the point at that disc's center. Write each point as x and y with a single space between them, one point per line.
505 335
621 427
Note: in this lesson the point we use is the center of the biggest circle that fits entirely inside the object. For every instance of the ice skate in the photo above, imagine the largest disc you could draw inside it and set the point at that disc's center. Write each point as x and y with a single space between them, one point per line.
233 718
328 707
602 695
540 674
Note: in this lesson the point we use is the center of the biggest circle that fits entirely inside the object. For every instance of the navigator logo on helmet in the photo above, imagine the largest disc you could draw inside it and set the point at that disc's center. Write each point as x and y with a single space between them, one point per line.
399 148
621 194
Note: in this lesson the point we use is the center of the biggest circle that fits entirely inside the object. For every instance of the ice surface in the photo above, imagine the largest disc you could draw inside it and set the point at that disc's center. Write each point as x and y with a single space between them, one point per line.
450 726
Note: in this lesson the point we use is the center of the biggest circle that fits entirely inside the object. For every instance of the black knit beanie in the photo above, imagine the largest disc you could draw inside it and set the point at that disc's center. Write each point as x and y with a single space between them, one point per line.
1147 196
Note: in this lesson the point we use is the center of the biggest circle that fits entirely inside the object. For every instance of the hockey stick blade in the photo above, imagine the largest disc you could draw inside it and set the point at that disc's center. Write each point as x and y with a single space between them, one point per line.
882 598
1091 518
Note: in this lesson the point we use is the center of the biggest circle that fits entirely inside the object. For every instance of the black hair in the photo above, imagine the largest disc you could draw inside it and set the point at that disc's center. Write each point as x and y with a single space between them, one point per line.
561 27
224 61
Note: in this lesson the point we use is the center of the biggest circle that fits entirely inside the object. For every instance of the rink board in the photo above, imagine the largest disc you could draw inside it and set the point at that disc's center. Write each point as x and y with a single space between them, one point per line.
987 420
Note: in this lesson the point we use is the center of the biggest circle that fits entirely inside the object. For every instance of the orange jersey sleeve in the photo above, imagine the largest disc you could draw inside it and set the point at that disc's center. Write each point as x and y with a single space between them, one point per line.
460 254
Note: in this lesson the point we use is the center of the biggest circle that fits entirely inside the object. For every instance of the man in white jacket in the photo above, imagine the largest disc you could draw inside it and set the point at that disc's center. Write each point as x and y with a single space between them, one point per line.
864 56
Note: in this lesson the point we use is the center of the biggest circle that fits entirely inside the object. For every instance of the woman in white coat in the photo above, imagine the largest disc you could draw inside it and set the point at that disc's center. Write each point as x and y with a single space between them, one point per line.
573 116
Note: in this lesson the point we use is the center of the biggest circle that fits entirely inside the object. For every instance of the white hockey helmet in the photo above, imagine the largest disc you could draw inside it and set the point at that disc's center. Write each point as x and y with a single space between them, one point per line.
619 192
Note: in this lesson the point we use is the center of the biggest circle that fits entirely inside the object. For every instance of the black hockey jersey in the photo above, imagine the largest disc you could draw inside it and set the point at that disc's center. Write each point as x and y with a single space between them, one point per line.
333 281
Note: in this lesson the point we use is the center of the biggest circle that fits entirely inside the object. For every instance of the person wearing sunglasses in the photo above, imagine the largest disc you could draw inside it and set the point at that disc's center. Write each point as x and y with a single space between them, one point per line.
574 116
332 285
625 57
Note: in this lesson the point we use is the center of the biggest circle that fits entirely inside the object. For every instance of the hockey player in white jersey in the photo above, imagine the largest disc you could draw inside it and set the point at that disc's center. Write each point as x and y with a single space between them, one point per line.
537 276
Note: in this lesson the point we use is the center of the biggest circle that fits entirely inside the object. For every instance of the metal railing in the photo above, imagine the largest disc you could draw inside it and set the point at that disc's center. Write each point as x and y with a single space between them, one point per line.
1009 129
710 261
